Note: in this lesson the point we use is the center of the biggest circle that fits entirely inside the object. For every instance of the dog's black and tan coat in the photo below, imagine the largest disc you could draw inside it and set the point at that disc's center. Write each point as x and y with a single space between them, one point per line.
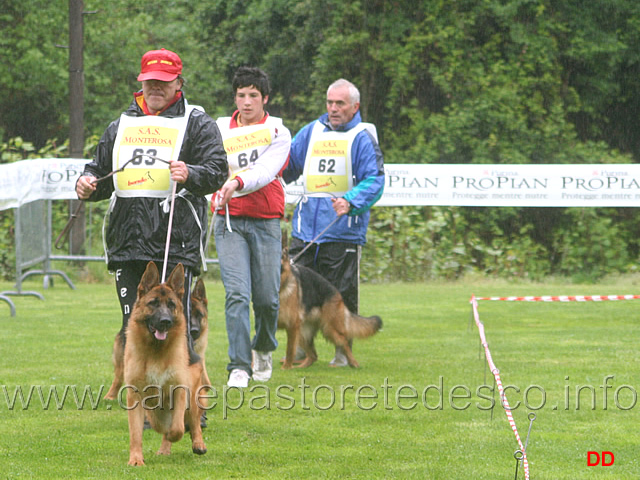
309 303
199 317
162 379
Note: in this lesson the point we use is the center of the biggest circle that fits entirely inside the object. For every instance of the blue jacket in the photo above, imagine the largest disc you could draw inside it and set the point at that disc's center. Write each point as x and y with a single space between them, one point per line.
313 214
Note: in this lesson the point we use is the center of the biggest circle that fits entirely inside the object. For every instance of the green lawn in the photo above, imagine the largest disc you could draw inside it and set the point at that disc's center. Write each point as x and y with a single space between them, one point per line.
373 422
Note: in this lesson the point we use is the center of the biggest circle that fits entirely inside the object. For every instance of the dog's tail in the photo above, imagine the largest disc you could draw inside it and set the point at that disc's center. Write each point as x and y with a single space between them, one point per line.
363 327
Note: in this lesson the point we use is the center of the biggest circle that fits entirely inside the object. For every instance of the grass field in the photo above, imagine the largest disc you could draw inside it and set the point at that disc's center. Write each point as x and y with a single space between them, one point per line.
373 422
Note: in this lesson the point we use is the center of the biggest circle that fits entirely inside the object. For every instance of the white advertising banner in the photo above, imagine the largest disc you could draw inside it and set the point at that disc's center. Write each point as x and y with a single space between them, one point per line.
405 184
40 179
508 185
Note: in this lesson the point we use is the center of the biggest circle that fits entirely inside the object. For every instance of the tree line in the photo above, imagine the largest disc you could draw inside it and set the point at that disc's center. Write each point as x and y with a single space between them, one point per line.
456 82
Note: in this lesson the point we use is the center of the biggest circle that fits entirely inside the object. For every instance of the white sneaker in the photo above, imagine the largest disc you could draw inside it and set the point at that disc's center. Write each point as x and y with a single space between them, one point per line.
238 378
262 366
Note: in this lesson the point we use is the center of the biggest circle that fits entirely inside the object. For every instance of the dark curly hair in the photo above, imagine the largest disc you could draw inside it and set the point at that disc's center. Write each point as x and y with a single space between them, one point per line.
251 77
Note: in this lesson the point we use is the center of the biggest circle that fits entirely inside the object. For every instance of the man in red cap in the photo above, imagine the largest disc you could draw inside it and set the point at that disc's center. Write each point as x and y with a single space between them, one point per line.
160 74
160 139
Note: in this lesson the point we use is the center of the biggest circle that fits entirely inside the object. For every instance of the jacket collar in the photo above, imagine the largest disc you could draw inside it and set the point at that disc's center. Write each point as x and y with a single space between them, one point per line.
174 109
324 119
234 119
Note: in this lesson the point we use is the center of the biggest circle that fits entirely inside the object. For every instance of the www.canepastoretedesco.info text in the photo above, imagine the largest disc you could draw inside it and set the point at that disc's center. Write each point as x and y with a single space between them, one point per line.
387 395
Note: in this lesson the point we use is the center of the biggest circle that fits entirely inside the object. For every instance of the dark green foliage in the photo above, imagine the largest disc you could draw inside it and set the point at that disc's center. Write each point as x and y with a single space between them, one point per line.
429 243
495 82
591 245
7 252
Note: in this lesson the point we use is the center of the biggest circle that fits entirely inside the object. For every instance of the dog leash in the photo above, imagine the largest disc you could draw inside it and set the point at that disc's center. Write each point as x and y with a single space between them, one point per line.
67 228
74 215
293 260
166 247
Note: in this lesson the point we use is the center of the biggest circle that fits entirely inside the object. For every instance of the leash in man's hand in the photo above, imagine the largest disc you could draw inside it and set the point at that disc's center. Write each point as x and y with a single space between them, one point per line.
293 260
62 237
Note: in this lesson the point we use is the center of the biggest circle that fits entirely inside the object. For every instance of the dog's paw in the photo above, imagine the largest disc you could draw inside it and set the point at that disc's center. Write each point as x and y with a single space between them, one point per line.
136 461
306 363
199 448
164 451
111 395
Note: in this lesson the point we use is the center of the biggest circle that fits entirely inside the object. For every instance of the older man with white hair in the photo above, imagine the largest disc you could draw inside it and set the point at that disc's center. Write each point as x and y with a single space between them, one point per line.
342 168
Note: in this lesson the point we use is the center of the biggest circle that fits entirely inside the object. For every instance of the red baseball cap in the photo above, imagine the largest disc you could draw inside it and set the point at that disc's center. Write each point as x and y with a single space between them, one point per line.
163 65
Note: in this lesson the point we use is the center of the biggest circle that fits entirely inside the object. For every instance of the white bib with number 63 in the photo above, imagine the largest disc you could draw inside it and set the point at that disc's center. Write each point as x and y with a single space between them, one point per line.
157 136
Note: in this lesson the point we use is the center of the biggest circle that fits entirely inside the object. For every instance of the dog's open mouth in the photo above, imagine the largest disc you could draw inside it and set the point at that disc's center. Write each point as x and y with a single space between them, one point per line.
160 335
159 327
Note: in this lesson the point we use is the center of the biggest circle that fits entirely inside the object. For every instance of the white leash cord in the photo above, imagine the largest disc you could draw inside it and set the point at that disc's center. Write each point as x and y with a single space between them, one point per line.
166 248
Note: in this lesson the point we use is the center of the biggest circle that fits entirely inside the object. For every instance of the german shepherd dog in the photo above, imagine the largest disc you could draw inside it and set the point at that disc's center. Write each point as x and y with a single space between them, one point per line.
162 381
308 303
199 318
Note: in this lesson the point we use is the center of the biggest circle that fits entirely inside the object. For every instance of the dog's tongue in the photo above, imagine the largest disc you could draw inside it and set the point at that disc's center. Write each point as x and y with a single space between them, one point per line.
160 335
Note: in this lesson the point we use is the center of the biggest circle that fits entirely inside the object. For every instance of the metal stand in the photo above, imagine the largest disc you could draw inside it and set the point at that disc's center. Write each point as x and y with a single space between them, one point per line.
10 303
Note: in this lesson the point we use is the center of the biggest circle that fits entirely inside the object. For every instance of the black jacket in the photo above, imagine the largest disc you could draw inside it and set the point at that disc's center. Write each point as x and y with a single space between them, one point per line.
137 227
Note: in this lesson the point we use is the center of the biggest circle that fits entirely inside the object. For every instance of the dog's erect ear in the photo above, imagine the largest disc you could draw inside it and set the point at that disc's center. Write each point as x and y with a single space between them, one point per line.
150 278
199 291
176 280
285 239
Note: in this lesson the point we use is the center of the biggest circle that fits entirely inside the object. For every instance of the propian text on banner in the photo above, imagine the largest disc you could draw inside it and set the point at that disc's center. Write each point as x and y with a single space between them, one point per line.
584 185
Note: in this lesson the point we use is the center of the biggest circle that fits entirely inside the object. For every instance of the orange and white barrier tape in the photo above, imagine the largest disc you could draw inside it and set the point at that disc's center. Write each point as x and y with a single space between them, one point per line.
494 369
503 397
564 298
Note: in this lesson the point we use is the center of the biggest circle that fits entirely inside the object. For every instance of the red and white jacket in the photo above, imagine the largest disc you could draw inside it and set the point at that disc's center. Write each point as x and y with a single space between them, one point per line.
257 155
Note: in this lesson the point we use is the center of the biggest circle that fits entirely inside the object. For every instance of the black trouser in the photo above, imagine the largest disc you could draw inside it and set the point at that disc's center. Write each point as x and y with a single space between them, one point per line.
128 276
338 262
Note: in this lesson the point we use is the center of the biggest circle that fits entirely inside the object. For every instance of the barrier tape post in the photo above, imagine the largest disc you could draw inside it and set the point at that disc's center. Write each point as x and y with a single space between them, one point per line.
484 379
532 417
518 455
493 392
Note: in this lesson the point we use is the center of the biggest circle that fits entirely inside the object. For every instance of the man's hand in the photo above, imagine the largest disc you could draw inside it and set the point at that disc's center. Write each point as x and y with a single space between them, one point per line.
179 171
225 193
341 206
85 187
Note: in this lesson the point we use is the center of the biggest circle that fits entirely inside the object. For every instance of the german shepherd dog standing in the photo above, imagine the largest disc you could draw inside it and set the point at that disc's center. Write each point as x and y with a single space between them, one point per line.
309 303
199 318
162 380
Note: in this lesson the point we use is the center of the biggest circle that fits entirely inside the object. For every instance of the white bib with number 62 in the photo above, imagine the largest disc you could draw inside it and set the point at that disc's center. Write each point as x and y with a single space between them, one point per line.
328 167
